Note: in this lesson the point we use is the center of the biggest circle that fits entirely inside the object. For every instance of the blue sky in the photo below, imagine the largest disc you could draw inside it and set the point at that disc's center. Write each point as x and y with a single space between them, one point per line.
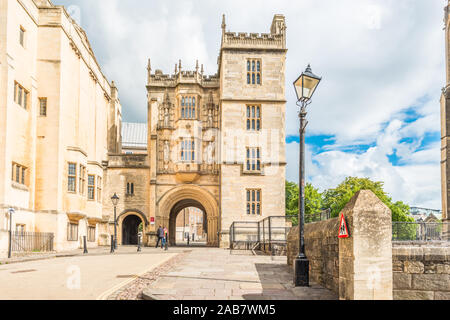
376 111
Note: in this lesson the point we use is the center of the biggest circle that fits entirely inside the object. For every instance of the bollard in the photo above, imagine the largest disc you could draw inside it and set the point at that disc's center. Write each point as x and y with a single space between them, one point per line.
112 244
85 245
166 246
139 249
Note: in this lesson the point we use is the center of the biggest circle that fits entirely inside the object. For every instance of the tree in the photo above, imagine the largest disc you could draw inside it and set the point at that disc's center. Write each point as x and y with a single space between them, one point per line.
313 202
337 198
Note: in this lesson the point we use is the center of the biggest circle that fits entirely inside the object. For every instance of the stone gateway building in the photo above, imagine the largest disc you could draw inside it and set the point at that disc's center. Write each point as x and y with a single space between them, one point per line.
216 143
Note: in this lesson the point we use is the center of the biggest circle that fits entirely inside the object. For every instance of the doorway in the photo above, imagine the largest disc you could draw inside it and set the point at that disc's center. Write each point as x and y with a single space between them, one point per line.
130 230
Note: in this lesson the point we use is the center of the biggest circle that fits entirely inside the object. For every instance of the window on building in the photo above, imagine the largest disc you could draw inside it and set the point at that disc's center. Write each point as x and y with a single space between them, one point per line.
18 173
253 159
21 95
72 178
188 105
130 188
72 231
254 71
99 189
91 187
43 107
91 234
188 150
20 228
82 179
254 118
254 202
22 36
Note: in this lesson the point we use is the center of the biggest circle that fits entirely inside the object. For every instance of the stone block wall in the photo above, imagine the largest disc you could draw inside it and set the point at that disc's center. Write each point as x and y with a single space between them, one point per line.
358 267
322 250
421 272
4 241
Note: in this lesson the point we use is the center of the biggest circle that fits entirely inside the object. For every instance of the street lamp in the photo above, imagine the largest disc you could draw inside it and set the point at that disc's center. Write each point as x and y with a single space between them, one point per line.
115 201
10 211
305 86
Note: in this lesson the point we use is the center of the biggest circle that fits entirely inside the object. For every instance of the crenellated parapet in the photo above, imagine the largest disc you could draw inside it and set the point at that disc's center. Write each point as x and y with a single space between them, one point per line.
159 79
275 40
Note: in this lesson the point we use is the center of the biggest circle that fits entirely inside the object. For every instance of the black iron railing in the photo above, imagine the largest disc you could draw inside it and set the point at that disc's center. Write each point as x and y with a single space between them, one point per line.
31 242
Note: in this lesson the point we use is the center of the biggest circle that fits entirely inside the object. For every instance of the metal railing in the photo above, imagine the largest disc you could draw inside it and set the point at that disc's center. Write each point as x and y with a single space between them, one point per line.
268 235
420 231
31 242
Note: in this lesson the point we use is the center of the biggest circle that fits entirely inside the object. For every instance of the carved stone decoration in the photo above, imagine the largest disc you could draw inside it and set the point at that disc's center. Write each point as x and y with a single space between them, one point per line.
166 152
165 112
210 109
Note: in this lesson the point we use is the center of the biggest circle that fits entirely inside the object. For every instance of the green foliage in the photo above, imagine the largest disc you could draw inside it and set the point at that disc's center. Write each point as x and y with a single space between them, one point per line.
313 202
141 227
336 199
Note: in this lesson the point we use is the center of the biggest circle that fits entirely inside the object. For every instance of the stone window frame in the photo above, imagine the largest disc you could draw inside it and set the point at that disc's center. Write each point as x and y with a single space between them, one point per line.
19 173
72 231
187 147
72 176
99 188
254 120
91 187
22 36
20 228
130 189
189 103
91 230
42 107
253 160
82 180
253 69
253 199
21 95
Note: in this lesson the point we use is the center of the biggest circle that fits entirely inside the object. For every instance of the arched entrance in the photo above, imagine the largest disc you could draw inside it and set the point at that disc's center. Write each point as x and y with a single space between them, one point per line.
188 223
179 198
130 230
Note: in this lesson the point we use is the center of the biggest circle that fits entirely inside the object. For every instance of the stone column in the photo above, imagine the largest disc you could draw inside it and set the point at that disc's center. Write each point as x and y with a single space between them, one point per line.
365 258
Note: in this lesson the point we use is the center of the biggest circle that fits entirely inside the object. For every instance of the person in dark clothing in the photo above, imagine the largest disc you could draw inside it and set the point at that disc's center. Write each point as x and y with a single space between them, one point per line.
160 235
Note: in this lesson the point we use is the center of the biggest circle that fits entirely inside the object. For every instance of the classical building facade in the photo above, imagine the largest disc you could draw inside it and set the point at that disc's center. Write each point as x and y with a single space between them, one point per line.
215 143
445 128
59 118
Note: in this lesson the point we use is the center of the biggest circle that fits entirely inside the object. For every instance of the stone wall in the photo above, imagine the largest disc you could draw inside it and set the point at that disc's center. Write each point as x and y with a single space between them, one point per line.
358 267
322 250
421 272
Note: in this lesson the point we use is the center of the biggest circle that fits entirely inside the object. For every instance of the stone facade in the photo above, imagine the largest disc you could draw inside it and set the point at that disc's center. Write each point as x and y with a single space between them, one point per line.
358 267
421 272
65 135
56 108
214 176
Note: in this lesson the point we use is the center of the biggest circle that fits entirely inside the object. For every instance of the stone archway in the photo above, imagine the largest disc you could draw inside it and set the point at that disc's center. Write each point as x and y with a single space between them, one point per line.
186 196
130 229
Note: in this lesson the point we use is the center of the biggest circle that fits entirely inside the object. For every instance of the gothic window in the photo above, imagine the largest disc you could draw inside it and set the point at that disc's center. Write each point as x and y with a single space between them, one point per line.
43 107
20 95
187 150
253 160
188 108
254 71
253 201
130 188
254 118
18 173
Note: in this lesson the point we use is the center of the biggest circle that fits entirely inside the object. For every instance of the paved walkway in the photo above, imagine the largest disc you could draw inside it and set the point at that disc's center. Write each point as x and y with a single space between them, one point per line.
215 274
78 277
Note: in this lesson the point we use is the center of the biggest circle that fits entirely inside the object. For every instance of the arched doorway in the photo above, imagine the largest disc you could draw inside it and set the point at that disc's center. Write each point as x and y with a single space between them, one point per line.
179 198
130 230
188 220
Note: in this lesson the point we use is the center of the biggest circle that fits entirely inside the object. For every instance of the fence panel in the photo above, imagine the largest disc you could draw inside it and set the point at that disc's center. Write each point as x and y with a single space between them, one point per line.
32 242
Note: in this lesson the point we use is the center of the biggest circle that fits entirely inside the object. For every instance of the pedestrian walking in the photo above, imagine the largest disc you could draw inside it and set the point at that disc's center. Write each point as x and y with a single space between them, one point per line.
160 235
166 238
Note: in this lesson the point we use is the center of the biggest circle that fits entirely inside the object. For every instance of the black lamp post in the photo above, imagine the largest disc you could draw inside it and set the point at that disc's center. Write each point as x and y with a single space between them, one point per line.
10 211
305 86
115 201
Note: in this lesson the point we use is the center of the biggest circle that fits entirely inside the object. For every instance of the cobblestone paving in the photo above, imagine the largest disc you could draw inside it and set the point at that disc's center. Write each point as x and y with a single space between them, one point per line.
216 274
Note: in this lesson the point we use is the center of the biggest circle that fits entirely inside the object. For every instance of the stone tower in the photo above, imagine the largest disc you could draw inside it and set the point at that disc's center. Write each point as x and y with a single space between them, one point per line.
445 127
218 142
